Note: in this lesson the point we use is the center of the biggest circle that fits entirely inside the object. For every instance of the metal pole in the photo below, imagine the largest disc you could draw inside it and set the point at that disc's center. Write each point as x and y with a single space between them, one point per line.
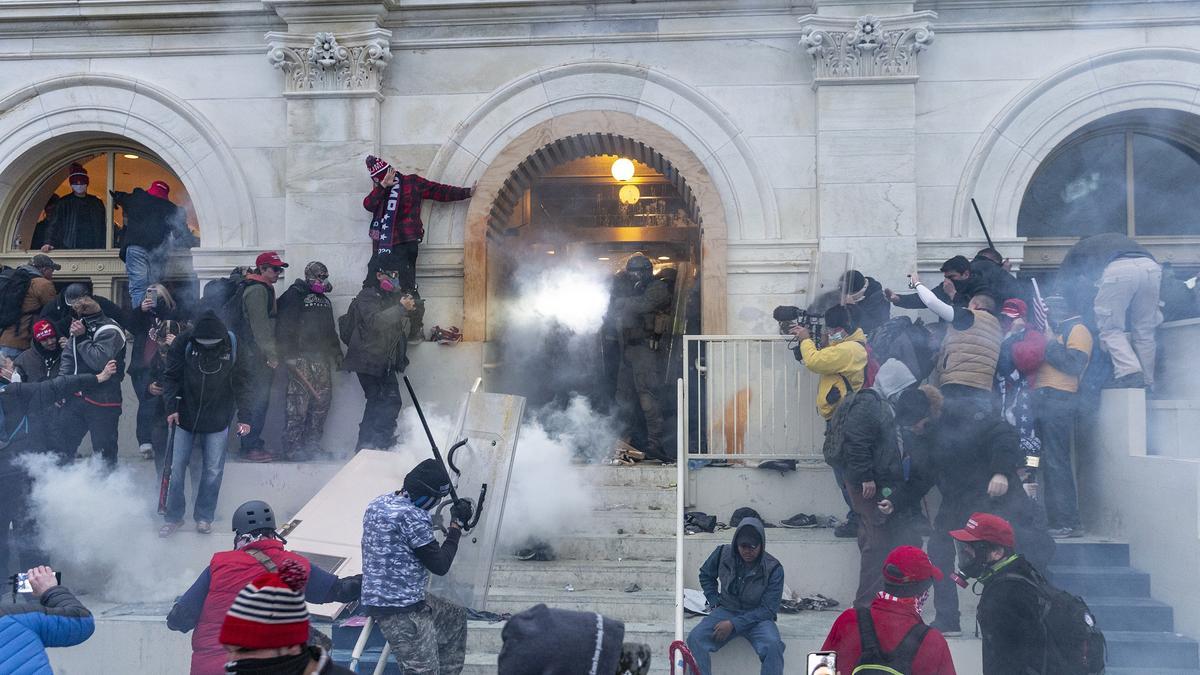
361 645
383 657
680 477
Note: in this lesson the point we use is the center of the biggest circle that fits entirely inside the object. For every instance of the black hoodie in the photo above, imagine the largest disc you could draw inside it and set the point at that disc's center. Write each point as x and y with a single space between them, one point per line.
205 385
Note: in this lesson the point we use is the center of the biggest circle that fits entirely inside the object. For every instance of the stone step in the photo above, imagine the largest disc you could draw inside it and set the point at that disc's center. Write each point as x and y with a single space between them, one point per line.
1133 614
601 574
1131 649
635 497
1098 582
598 475
628 521
1076 553
647 606
615 547
484 638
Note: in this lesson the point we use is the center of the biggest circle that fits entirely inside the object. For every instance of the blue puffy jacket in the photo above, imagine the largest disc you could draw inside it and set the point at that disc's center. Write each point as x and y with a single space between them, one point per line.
27 630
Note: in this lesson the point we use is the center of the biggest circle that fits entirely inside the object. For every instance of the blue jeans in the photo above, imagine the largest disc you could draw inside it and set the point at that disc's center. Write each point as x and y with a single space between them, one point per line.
763 636
10 352
144 268
213 447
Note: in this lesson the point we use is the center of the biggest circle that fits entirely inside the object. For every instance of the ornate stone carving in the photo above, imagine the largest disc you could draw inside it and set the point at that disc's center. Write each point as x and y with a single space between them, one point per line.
323 65
869 50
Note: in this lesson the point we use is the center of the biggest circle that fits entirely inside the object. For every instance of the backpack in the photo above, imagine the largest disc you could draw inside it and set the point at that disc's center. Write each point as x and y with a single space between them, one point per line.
907 341
835 438
875 660
1099 369
14 285
1074 645
223 297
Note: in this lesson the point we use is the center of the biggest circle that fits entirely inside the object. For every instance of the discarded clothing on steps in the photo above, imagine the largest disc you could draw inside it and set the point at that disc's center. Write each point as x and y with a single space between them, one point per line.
746 511
484 615
699 521
536 550
694 602
781 465
793 603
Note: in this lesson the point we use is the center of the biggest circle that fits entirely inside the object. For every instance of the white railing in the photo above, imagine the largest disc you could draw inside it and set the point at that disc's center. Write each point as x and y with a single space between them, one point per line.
748 396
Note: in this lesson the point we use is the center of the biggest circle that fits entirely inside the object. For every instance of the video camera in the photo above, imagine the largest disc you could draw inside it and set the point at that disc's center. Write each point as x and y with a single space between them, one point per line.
790 317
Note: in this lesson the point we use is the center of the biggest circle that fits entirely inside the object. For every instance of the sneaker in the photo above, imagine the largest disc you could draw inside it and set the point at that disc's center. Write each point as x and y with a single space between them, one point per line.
1130 381
168 529
800 520
946 628
846 530
1066 533
258 456
147 451
203 527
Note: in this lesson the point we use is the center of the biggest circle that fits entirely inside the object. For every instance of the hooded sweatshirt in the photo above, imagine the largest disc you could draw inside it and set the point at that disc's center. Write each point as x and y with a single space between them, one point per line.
842 367
871 446
751 591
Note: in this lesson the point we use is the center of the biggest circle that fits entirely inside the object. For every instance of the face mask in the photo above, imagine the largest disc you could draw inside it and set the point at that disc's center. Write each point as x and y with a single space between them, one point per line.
277 665
840 335
318 286
972 558
79 189
387 285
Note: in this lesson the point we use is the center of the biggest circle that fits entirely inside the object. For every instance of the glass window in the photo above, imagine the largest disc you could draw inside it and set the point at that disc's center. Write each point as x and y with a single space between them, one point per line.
56 215
1136 173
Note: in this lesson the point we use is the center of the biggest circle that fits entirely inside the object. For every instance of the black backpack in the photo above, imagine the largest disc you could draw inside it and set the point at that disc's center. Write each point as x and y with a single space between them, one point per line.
1074 645
873 658
14 284
224 298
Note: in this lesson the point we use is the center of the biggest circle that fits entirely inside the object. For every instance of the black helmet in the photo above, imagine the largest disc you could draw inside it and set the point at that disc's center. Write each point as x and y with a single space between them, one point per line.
640 264
253 515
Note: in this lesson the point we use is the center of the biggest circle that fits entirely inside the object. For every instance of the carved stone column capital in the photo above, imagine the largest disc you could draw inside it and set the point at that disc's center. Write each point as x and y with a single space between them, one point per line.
867 50
326 65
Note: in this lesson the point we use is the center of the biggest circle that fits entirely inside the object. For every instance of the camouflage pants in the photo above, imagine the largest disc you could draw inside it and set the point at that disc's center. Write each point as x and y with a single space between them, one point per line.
432 641
306 413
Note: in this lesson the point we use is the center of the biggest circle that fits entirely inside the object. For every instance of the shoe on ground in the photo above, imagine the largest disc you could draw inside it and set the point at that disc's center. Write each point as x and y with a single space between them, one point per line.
203 527
1066 533
258 456
168 529
1130 381
800 520
147 451
846 530
947 629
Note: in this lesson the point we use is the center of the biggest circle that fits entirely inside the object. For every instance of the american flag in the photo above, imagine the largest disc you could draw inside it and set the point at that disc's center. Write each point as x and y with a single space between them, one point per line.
1037 317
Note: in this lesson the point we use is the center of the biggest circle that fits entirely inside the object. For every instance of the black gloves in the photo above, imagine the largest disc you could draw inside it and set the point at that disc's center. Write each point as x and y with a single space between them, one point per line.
461 512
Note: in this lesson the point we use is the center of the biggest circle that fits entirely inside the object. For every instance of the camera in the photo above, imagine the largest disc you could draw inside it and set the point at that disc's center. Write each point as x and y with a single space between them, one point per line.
790 317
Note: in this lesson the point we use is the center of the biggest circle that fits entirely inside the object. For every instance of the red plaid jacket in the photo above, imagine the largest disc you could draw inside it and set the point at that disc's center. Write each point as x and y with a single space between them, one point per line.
397 210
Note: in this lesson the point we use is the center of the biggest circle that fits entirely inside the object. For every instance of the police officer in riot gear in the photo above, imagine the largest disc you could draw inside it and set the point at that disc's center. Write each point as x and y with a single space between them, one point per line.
642 318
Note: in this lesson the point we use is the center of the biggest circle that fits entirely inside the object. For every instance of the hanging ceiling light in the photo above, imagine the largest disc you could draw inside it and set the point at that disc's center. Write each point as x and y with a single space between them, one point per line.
622 169
129 156
629 194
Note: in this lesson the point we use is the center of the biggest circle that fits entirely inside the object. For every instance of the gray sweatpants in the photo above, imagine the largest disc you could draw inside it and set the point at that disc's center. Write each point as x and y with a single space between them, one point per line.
1129 286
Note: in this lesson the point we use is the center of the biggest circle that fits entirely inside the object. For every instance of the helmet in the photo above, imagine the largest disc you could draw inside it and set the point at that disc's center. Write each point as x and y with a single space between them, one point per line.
253 515
639 264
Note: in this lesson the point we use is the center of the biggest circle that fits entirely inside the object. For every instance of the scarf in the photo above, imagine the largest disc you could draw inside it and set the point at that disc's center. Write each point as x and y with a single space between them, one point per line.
381 227
295 664
916 602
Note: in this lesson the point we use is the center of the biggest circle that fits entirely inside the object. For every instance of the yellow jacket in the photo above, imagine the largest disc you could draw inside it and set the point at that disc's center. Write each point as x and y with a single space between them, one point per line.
840 362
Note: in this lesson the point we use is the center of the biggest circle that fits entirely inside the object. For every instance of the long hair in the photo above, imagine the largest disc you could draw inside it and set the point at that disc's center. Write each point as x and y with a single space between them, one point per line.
161 291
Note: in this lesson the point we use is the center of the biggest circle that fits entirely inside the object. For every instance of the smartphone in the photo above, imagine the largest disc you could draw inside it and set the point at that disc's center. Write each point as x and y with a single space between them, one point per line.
152 294
821 663
22 585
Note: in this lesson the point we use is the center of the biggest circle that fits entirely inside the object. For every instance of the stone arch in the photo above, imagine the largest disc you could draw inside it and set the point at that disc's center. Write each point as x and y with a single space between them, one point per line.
44 119
1017 141
732 193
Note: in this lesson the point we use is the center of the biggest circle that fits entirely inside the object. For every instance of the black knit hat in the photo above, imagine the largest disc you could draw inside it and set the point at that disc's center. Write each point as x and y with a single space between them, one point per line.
209 327
912 405
544 641
427 479
389 262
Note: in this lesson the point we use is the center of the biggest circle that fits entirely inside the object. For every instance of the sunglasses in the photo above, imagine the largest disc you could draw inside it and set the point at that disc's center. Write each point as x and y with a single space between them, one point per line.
276 268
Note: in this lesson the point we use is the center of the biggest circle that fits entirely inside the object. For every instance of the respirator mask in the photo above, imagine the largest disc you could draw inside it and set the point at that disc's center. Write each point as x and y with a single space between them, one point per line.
319 286
972 560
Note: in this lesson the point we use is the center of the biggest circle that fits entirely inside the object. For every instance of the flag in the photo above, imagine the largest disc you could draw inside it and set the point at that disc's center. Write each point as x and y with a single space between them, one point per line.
1037 318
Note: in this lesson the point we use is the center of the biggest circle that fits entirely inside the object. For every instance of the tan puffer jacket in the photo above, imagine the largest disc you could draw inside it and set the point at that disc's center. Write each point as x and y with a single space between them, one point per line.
969 356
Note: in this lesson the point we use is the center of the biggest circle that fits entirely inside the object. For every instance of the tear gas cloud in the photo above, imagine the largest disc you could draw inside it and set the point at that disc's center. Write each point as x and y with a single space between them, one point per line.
568 295
99 530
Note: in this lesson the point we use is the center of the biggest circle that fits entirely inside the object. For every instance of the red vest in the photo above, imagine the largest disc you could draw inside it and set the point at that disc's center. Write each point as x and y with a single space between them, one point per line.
230 571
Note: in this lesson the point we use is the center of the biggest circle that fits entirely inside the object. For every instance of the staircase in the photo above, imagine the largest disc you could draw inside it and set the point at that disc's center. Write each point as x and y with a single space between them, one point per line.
1140 630
630 538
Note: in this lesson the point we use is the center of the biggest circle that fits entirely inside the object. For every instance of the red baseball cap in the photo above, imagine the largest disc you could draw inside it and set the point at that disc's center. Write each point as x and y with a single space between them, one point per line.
1014 308
270 258
159 189
986 527
909 565
43 329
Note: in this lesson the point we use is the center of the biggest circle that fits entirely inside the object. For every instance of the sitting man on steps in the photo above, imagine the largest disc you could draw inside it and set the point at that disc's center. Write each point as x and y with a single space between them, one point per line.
744 586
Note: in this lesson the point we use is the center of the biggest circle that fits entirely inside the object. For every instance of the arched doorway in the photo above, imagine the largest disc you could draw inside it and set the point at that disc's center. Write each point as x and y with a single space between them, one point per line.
559 233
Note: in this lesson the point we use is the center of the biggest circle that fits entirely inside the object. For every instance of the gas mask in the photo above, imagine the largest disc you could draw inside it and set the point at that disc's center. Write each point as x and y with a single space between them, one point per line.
319 286
972 560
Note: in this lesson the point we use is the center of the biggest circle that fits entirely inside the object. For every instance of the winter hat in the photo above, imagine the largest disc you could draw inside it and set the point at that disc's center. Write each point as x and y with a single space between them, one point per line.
43 329
270 611
544 641
986 527
377 167
428 480
159 189
389 262
912 406
907 572
209 327
315 270
77 175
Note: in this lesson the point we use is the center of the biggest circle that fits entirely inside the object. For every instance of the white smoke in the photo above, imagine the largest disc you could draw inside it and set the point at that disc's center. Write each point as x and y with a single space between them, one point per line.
100 531
568 295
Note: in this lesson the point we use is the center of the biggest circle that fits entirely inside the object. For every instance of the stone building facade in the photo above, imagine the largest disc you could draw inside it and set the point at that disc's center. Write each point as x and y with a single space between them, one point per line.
798 126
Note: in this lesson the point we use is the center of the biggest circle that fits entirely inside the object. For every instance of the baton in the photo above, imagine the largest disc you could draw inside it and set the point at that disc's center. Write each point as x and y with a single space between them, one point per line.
164 484
982 224
437 454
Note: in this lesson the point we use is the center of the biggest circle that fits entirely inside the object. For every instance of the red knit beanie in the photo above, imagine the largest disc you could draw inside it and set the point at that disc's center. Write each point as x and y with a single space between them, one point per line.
77 175
269 612
377 167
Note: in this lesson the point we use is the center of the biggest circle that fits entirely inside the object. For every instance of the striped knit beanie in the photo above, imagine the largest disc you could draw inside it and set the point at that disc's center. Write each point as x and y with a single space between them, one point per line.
269 612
